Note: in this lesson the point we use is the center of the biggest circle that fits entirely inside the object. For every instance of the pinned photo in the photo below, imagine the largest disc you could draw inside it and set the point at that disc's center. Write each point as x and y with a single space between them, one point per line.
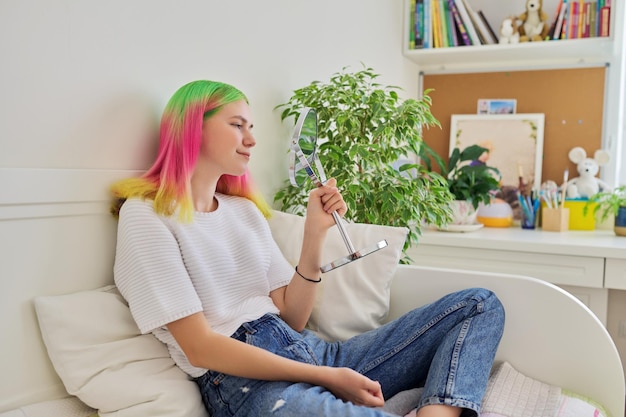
497 106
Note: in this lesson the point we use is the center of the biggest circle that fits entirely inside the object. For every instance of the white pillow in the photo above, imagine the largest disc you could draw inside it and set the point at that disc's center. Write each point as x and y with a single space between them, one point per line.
354 298
101 357
511 393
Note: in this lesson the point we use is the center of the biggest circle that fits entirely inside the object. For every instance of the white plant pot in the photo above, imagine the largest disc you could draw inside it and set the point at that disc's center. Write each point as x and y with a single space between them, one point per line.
463 212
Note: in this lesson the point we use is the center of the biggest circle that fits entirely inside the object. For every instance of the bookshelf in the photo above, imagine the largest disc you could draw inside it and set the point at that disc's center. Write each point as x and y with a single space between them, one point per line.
527 55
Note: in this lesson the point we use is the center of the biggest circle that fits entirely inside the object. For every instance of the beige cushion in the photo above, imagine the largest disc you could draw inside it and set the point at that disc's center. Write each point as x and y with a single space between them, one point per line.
99 354
355 297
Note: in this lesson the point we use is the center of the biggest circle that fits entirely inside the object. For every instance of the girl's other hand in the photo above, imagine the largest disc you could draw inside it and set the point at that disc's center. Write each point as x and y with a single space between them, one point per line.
352 386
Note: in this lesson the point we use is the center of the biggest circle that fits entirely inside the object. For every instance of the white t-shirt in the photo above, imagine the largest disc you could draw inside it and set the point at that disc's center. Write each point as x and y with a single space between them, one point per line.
224 263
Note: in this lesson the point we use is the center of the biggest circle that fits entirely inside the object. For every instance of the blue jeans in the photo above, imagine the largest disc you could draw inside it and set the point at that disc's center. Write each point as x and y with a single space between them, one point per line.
447 347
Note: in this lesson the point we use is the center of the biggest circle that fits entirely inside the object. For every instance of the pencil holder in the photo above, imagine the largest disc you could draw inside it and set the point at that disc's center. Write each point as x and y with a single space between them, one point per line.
579 219
555 219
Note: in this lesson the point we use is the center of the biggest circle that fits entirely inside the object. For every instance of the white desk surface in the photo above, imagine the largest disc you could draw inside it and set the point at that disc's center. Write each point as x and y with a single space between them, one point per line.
596 243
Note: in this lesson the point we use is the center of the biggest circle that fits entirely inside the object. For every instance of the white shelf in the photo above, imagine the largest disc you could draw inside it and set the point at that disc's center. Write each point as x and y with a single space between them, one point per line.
597 243
548 54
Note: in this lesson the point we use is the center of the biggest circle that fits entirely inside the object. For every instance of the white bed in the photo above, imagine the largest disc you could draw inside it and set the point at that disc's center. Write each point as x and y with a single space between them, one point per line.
58 238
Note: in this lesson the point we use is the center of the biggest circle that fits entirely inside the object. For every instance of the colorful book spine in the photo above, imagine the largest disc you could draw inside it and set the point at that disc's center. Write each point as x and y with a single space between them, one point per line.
459 23
581 19
586 20
605 21
593 20
454 34
418 22
412 24
443 23
572 27
452 37
428 29
434 6
565 24
599 6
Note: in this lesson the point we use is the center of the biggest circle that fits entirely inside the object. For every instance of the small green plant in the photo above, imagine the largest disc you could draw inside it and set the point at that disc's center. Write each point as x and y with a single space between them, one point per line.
364 129
607 203
468 178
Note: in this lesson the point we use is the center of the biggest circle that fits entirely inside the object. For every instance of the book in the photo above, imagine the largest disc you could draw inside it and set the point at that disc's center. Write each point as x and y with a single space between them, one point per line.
434 7
471 30
490 31
452 32
565 23
428 29
581 19
605 21
443 22
572 21
476 22
418 22
586 20
441 28
412 24
554 21
460 26
593 22
559 23
599 6
457 35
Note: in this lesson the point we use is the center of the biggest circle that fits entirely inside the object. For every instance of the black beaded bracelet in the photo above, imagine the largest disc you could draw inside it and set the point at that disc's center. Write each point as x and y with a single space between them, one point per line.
308 279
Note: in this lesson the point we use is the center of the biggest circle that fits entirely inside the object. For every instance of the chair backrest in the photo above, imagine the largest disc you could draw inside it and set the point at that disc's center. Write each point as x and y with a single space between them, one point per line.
549 334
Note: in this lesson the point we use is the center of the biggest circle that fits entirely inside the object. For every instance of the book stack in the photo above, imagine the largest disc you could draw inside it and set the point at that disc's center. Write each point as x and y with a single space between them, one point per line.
577 19
450 23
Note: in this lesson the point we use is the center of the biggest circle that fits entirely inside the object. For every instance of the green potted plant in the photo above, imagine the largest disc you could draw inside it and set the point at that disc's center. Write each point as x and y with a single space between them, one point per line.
470 180
365 129
610 203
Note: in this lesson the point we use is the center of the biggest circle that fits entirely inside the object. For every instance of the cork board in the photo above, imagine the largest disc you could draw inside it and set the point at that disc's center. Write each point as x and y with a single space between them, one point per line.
571 99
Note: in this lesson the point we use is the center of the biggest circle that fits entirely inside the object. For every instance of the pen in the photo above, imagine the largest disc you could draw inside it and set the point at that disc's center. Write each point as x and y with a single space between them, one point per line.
535 210
525 208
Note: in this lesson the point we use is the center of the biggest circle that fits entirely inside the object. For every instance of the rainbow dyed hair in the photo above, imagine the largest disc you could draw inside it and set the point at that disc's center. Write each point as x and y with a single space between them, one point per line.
167 182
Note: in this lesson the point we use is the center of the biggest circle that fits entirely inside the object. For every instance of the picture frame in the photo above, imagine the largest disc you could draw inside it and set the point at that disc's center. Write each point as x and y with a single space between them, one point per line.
515 143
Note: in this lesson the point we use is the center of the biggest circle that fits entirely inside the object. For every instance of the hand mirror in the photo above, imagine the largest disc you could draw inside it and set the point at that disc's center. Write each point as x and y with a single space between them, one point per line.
305 164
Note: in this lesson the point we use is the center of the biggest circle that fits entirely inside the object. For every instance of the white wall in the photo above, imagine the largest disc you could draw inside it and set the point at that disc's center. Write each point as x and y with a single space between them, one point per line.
82 86
84 82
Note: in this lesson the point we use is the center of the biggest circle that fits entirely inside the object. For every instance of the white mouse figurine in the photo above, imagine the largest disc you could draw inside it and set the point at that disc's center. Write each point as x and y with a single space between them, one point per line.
586 184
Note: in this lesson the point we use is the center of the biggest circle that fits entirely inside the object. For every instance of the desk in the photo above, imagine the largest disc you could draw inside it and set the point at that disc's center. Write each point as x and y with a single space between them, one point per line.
584 263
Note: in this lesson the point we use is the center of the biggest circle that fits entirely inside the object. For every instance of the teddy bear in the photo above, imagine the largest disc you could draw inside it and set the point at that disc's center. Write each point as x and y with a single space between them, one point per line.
586 184
534 26
509 32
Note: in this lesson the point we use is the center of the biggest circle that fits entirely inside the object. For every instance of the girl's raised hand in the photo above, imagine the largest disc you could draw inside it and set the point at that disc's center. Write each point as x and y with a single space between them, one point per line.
323 201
